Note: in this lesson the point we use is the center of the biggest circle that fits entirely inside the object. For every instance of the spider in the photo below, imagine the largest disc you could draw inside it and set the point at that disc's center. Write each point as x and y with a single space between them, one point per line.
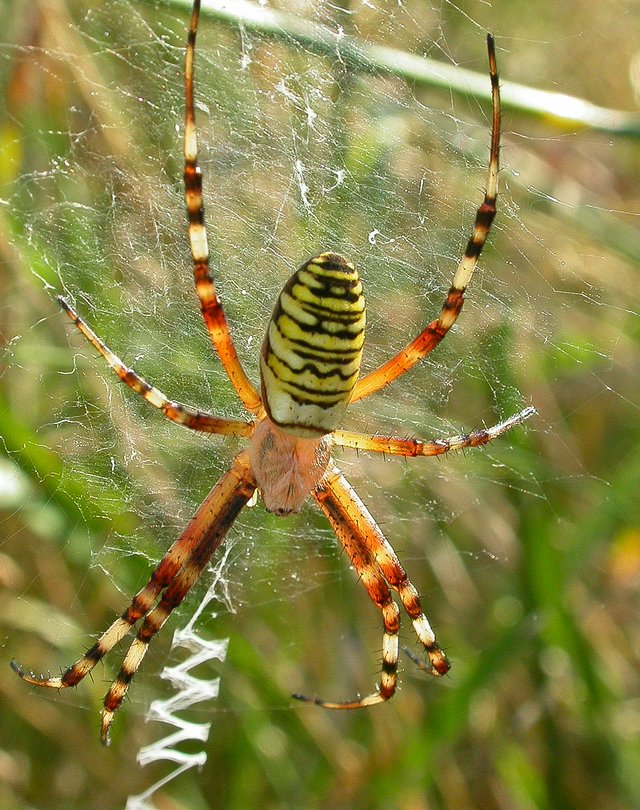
309 369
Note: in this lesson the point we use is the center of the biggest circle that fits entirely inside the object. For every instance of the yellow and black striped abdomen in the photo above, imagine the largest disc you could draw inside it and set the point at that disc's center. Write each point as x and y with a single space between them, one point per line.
313 347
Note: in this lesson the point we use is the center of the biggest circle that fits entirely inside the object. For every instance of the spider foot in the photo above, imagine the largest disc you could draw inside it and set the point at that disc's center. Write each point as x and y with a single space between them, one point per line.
36 680
105 726
359 703
113 700
307 699
437 665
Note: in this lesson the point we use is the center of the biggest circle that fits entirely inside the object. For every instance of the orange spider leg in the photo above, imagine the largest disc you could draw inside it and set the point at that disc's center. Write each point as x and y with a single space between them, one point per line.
429 338
355 515
174 411
364 562
210 303
379 568
178 570
416 447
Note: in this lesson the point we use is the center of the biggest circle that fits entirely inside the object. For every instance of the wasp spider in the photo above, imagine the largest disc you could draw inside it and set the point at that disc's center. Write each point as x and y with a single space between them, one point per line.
309 369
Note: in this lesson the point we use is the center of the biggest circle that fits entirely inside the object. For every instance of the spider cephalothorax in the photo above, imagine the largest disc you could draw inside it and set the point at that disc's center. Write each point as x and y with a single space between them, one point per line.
309 368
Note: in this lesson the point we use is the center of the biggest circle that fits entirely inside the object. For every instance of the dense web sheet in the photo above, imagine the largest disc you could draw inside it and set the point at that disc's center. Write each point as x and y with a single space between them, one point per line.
299 154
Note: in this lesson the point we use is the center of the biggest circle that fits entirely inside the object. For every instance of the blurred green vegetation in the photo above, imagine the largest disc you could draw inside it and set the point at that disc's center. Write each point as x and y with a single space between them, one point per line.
527 553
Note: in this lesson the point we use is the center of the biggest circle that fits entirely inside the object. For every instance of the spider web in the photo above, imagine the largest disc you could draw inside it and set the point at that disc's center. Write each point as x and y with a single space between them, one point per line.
300 154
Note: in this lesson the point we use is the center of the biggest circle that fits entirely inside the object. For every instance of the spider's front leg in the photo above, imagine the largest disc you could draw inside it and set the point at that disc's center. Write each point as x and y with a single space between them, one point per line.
379 569
171 580
379 592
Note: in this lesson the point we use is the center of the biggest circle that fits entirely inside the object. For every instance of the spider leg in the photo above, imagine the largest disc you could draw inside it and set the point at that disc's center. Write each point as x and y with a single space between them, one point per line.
364 562
174 411
176 573
349 514
379 568
416 447
210 304
429 338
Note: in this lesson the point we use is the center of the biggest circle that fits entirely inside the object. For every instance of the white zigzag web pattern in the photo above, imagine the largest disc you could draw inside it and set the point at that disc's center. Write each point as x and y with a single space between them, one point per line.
190 691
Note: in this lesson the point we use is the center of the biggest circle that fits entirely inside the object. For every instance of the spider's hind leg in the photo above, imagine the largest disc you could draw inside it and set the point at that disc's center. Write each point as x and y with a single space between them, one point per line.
435 331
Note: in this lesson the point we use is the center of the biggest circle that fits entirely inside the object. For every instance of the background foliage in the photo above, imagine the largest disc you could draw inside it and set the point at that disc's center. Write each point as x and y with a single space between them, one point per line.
527 554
